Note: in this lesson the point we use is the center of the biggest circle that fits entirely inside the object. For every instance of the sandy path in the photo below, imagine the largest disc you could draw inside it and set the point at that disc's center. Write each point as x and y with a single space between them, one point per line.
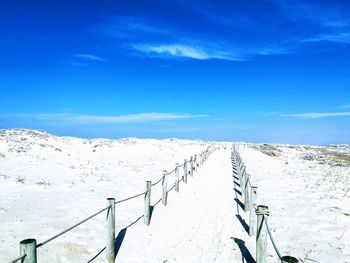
199 224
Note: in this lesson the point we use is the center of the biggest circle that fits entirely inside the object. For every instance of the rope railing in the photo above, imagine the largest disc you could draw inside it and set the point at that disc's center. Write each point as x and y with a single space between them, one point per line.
18 259
70 228
96 256
258 212
171 171
148 207
129 198
180 166
160 179
271 238
29 246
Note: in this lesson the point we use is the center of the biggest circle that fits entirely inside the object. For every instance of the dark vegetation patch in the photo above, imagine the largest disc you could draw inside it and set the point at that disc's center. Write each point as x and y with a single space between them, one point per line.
269 149
328 155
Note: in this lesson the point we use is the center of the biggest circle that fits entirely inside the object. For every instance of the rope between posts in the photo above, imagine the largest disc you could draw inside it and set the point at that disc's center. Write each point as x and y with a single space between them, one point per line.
271 238
129 198
172 171
18 259
160 179
70 228
172 188
249 182
157 181
128 225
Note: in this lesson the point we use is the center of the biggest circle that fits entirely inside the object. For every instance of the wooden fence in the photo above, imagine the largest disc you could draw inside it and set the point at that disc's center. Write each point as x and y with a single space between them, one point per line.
258 214
28 247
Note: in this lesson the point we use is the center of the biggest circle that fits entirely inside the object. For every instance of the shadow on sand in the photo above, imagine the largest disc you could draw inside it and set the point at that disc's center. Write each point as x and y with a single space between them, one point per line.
246 256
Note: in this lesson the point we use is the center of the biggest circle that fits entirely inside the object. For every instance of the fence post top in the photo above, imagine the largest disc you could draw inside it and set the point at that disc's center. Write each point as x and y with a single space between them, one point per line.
177 164
148 182
110 198
289 259
262 210
28 241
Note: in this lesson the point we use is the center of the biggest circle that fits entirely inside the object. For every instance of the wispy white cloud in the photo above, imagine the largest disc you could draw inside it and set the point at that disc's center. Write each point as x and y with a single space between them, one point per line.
327 20
157 40
327 15
317 115
89 57
129 27
180 50
68 118
342 37
162 39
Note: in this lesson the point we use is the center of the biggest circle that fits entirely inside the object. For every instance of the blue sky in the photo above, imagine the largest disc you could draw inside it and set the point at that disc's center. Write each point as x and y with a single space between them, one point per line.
259 71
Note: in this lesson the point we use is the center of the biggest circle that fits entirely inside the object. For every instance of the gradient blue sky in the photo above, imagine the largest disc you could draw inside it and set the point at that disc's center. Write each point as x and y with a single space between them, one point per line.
258 71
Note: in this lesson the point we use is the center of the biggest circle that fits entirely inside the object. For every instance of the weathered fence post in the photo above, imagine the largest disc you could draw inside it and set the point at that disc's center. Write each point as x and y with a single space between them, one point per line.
177 178
110 246
147 207
261 234
247 192
289 259
194 163
165 188
185 171
241 179
252 215
244 180
28 248
191 166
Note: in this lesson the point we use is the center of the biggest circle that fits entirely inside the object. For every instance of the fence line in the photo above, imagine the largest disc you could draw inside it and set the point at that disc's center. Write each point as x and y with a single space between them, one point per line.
28 247
260 212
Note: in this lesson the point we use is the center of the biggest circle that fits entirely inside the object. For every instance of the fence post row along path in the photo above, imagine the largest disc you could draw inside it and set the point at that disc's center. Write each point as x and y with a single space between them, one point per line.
28 247
258 214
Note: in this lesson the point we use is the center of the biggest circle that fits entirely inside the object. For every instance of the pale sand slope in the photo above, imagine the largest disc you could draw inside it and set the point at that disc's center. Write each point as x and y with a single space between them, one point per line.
308 201
48 183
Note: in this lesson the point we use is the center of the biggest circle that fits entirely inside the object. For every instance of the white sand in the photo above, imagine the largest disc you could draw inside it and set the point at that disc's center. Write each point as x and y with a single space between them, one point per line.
48 183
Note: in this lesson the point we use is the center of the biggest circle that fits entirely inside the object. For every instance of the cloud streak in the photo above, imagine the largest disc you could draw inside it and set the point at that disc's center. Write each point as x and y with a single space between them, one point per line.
89 57
330 22
160 38
129 27
184 51
343 37
154 40
317 115
105 119
326 15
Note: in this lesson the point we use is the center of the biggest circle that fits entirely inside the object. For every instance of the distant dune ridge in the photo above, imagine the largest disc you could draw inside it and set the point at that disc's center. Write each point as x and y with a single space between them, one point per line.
48 183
